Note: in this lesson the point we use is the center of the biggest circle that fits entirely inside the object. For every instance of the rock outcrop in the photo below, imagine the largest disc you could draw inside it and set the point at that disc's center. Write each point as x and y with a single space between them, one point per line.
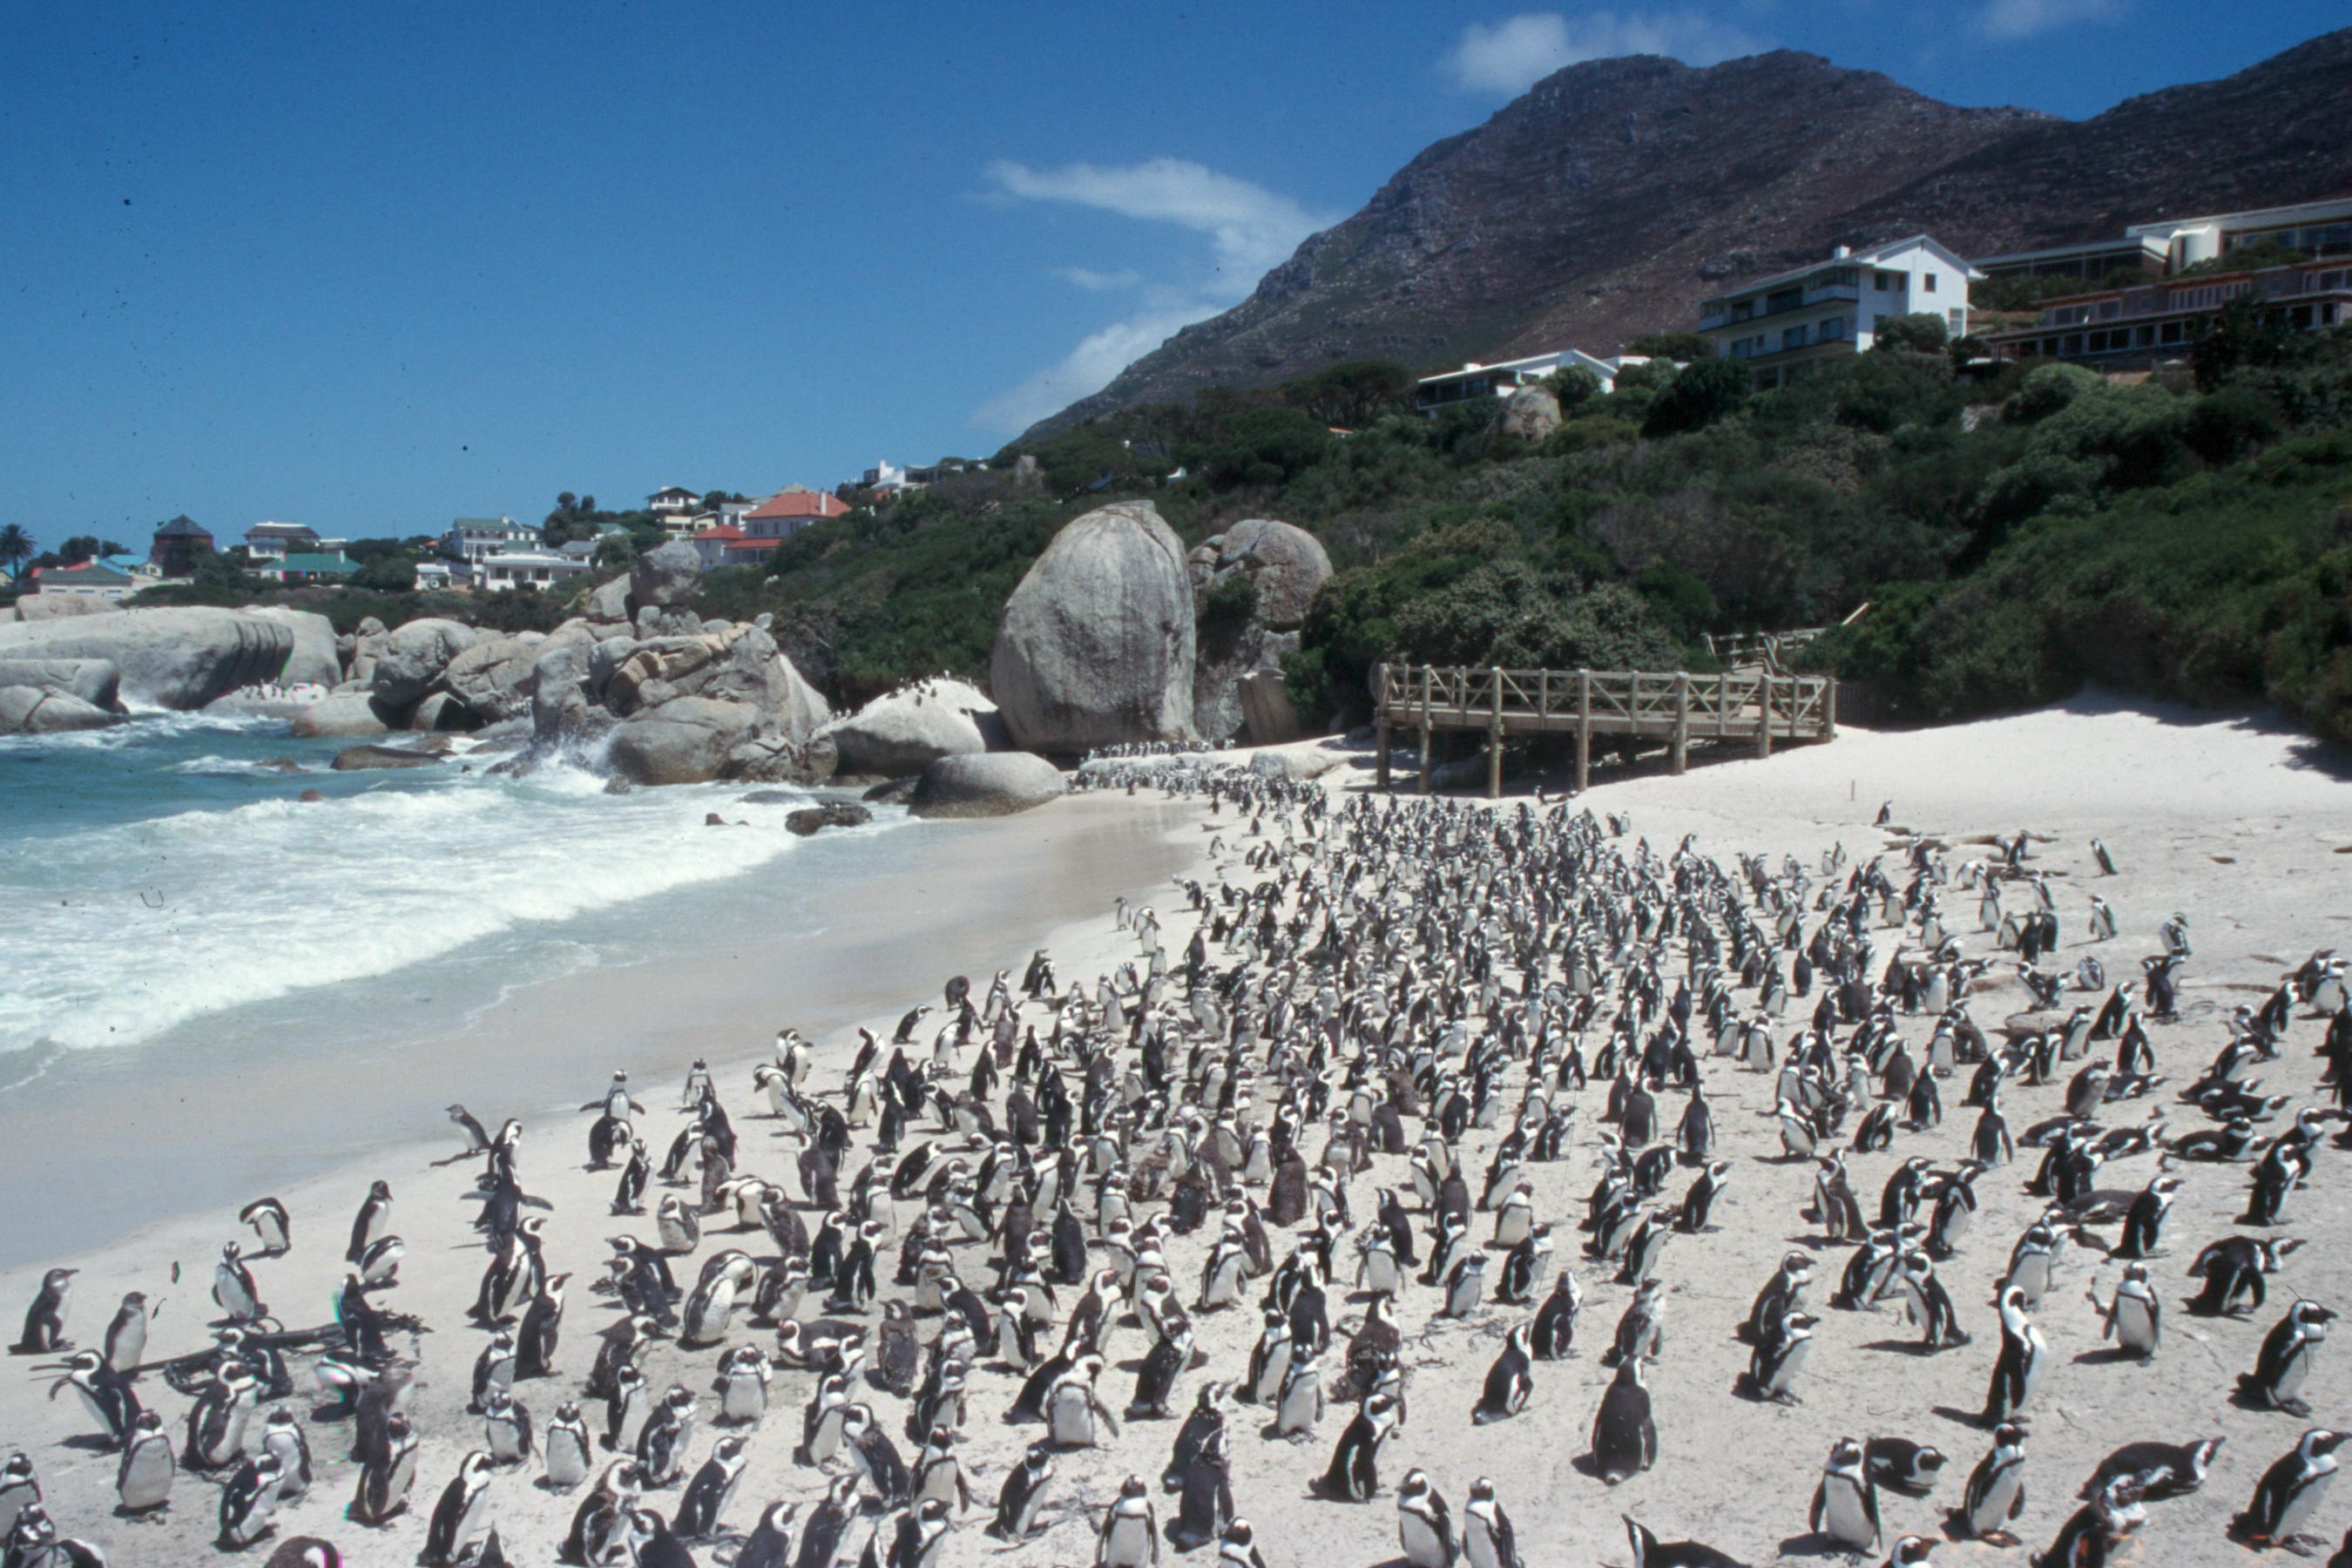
1238 685
902 733
180 657
687 740
665 576
37 710
354 759
94 681
343 713
493 678
997 783
315 661
414 656
810 819
1530 414
723 704
1095 647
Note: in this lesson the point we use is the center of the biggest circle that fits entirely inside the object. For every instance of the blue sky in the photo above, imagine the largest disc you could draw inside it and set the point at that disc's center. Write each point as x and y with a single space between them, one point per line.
372 267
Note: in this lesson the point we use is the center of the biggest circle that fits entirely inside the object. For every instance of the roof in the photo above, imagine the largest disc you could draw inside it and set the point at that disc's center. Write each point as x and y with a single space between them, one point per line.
798 501
1874 255
275 528
183 527
2252 217
675 491
500 524
86 571
2146 245
299 560
722 532
753 546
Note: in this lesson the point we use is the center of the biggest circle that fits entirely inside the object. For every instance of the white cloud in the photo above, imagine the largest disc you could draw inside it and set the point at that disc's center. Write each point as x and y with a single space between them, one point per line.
1509 57
1095 282
1249 229
2026 18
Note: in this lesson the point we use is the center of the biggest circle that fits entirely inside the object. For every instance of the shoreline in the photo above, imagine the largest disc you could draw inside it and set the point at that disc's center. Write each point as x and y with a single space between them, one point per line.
85 1115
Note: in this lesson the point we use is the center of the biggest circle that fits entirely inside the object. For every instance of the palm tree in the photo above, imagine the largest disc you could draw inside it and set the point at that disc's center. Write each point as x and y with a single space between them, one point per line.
16 547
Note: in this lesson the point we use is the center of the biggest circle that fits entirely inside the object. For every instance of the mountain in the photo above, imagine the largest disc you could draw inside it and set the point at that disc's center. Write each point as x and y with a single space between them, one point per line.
1615 194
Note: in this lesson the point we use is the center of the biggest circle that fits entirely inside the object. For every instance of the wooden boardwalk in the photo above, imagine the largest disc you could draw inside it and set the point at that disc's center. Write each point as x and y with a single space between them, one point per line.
1748 707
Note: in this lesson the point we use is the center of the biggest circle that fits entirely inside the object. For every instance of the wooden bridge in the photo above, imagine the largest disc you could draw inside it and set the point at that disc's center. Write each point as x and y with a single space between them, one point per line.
1749 707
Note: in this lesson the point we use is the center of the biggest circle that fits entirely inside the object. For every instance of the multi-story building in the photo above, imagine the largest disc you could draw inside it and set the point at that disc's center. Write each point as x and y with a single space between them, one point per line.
178 545
788 512
1474 381
674 500
2132 328
267 542
1787 324
473 538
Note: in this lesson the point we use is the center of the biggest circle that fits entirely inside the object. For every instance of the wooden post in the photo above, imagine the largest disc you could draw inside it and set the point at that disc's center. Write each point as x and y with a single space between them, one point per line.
1428 678
1380 720
1681 749
1494 742
1764 715
1828 709
1583 730
1723 705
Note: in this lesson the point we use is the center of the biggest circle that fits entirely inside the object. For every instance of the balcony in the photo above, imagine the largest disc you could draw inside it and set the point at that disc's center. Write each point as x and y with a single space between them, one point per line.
1829 294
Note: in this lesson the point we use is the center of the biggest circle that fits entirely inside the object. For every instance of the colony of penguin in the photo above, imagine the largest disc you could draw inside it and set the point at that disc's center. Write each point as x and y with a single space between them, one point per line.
1431 1103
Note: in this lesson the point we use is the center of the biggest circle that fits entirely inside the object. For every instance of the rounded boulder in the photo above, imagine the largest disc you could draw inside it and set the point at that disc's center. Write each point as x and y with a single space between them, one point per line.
993 783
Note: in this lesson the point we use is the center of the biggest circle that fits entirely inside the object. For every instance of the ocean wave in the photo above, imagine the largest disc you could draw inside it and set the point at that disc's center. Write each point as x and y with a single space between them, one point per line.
124 932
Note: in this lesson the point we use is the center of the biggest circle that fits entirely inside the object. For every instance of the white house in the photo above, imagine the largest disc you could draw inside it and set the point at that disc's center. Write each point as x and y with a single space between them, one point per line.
1473 380
267 542
673 500
544 568
475 538
1793 320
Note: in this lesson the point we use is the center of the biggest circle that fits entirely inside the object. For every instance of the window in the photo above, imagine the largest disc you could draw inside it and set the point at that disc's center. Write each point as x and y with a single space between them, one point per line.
1883 281
1832 329
1927 281
1793 338
1742 310
2172 332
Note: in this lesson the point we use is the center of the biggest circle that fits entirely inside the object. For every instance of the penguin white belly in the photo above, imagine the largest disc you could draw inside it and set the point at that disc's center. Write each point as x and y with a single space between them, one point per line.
1844 1516
1071 1420
1128 1544
2301 1506
1423 1547
1302 1407
567 1460
2289 1382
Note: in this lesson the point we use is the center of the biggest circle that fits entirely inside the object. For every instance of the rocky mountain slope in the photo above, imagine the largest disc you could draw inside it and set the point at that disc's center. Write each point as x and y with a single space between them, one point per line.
1615 194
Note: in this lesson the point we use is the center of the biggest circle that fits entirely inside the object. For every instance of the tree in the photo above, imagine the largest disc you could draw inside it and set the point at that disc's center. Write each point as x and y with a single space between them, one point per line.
1682 347
2244 336
390 574
1922 333
1352 394
16 546
1701 392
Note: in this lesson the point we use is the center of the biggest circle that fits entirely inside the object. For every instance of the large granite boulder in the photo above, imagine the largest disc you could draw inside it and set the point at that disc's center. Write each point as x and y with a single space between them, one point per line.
1288 562
315 661
1094 646
741 664
94 681
37 710
904 731
58 607
1530 414
413 658
356 759
179 657
561 712
811 819
666 575
996 784
608 603
342 714
492 677
367 646
686 740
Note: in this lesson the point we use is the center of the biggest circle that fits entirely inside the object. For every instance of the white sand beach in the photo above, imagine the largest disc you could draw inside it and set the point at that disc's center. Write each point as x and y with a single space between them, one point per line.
2233 822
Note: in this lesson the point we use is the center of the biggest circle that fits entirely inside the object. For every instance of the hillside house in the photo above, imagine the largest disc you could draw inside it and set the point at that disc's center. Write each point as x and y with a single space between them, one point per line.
268 542
1786 325
506 571
475 539
1431 393
106 581
674 500
2132 328
788 512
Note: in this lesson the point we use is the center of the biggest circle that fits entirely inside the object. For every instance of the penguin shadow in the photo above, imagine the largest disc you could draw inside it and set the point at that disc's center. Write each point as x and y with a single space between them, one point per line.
1900 1347
1972 1419
1812 1543
2114 1354
90 1443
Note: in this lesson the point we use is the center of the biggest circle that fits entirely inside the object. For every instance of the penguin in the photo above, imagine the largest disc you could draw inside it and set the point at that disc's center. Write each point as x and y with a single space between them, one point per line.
270 1226
282 1436
107 1394
1129 1536
1466 1289
744 1373
1487 1539
1509 1382
217 1422
1554 1334
1903 1465
2135 1319
506 1429
2143 1230
1783 1293
2092 1537
566 1450
45 1319
386 1475
249 1502
662 1444
2166 1470
463 1511
233 1290
1353 1474
2023 1357
2234 1269
652 1544
1624 1437
770 1543
2284 1361
706 1497
1699 1203
20 1488
879 1459
143 1479
1204 1503
373 1220
1299 1406
1075 1412
1845 1500
1017 1501
542 1329
1996 1490
1424 1524
125 1344
828 1524
1781 1353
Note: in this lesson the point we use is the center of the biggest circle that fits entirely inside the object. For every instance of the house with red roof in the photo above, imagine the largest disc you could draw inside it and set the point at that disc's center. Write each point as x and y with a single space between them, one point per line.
788 510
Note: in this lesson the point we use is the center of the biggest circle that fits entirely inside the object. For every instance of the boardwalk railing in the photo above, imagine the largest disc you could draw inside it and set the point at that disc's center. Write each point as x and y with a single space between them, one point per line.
1772 651
1749 706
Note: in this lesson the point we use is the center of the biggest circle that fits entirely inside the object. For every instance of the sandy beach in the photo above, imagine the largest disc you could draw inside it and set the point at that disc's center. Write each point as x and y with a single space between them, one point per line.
2231 821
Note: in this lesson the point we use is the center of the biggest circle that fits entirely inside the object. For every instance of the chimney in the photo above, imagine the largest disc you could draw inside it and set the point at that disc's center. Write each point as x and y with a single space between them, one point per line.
1841 252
